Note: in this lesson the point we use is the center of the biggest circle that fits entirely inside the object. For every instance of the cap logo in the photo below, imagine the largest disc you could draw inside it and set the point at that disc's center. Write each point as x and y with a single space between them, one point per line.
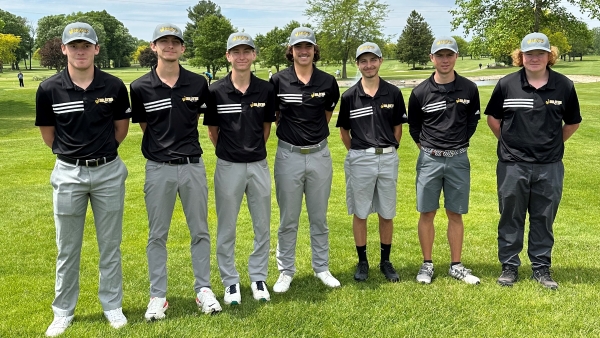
240 38
535 40
170 29
302 33
79 30
366 48
444 42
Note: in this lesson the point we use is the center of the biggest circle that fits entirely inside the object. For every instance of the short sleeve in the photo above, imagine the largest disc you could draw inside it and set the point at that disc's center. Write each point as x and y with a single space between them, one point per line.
343 120
271 106
44 115
572 113
211 116
334 95
494 106
138 112
399 116
121 107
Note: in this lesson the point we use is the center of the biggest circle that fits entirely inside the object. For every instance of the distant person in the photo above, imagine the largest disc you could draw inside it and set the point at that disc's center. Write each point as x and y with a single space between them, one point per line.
166 103
20 76
443 113
370 121
337 73
270 74
303 167
480 65
209 76
83 115
239 117
532 113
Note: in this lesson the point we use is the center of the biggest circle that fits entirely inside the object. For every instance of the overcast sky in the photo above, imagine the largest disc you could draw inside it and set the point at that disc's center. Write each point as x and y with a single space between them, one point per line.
253 16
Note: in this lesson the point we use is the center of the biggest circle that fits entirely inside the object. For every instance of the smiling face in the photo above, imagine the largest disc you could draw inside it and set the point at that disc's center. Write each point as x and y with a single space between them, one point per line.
241 57
535 60
368 64
304 53
80 54
444 61
168 48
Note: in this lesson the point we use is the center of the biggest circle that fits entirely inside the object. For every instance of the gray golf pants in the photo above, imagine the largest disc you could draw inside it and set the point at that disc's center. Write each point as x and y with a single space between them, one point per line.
534 188
163 183
104 187
299 174
232 180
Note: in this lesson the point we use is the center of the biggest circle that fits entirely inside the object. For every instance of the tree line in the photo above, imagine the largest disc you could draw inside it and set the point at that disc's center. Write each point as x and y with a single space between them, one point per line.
496 27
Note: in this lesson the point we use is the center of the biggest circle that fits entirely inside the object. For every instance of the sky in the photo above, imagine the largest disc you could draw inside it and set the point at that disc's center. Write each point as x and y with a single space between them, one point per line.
252 16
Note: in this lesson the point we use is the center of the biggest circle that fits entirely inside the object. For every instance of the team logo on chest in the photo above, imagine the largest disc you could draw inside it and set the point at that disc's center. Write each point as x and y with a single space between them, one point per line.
190 98
257 105
554 102
463 101
387 106
321 94
104 100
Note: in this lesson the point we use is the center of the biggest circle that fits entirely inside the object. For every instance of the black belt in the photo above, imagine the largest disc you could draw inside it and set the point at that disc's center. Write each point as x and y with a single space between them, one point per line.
95 162
303 149
183 160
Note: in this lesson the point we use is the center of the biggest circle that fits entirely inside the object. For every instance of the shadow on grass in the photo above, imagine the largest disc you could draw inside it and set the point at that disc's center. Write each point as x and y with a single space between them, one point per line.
16 116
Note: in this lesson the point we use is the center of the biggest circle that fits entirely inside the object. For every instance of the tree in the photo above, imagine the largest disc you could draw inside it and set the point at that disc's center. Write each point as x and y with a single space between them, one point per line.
52 55
16 26
463 46
147 58
136 55
596 40
196 14
345 24
48 28
272 46
478 47
503 23
559 40
389 50
415 41
8 45
212 34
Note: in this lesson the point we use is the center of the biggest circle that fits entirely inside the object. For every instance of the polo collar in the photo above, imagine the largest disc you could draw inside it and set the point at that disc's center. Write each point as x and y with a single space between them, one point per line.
434 85
183 79
294 77
97 82
252 88
551 84
381 91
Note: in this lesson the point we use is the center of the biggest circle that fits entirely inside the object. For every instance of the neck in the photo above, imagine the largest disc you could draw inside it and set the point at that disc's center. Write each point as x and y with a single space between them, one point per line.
542 75
168 72
303 71
241 79
370 85
81 77
444 78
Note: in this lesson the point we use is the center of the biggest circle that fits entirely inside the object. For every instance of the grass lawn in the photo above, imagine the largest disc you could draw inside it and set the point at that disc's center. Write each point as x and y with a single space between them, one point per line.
374 308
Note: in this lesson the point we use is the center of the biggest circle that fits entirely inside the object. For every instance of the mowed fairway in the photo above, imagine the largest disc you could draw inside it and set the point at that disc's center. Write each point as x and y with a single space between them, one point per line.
375 308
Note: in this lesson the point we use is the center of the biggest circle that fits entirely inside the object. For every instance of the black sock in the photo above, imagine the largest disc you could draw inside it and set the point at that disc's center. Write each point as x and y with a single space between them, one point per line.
454 263
362 253
385 252
427 261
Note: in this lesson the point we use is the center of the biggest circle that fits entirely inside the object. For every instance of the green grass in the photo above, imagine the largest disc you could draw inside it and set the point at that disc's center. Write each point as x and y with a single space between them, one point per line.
374 308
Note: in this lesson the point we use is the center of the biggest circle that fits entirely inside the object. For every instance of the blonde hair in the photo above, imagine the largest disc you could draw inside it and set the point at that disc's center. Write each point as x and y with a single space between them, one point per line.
517 57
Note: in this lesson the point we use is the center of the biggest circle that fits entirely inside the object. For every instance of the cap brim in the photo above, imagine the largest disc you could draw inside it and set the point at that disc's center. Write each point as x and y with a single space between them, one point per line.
439 49
536 48
80 38
303 40
240 44
357 56
162 36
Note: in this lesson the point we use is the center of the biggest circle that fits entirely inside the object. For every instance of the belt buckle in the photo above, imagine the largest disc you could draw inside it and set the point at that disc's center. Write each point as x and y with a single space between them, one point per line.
305 150
91 163
378 151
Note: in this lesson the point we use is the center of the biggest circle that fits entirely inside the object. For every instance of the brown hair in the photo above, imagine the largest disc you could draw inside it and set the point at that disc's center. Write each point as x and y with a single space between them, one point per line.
290 56
517 57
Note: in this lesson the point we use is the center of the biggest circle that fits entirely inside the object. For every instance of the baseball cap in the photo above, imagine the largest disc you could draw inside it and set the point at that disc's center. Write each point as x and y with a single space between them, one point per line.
535 41
444 42
368 47
79 31
239 38
166 29
302 34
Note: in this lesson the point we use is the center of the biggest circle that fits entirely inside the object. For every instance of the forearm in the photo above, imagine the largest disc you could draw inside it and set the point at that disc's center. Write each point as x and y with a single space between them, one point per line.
328 115
346 139
121 129
494 125
48 135
568 131
213 135
266 130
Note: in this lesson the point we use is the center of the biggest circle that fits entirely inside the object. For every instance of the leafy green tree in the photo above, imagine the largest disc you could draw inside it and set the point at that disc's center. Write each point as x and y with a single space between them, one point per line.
503 23
272 46
8 45
147 58
414 44
581 41
17 26
196 13
211 37
559 40
463 46
596 40
478 47
389 49
52 56
345 24
48 28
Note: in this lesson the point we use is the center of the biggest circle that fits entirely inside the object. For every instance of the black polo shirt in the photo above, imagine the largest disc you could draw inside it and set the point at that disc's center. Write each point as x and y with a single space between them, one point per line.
371 120
444 116
240 118
83 119
532 119
302 107
171 114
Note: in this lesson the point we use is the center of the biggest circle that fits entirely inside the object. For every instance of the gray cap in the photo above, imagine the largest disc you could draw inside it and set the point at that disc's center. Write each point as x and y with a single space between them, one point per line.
302 34
444 42
239 38
535 41
79 31
368 47
166 29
